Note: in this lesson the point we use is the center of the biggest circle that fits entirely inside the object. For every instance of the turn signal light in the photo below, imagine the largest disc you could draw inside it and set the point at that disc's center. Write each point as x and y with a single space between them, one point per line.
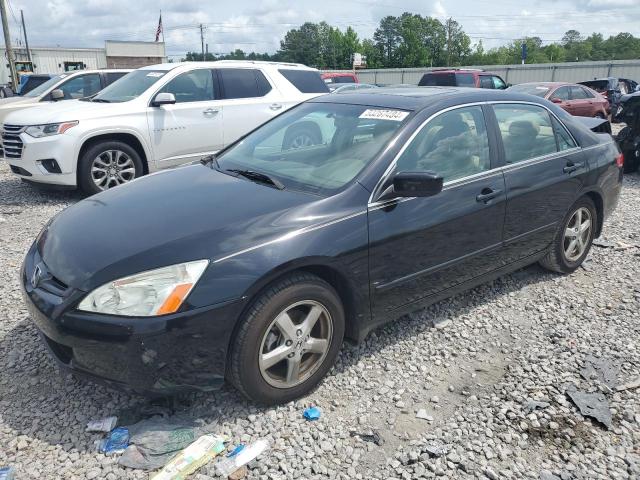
620 160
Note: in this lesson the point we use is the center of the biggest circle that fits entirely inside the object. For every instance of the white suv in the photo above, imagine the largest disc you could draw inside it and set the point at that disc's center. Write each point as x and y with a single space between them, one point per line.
155 117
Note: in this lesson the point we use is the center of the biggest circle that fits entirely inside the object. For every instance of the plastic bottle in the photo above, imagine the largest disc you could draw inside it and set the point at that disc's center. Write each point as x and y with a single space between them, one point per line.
228 465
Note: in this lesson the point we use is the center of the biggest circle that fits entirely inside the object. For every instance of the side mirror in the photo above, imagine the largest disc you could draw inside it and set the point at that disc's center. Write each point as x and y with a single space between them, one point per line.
556 100
163 98
57 94
413 184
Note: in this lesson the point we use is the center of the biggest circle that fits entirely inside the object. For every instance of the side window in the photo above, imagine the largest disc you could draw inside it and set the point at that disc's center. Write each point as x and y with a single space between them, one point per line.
264 86
454 144
465 80
498 83
113 76
577 93
565 141
306 81
241 82
81 86
526 131
193 86
561 93
588 93
485 81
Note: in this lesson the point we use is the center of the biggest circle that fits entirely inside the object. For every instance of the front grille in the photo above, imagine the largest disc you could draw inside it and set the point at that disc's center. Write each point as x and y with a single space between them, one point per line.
11 141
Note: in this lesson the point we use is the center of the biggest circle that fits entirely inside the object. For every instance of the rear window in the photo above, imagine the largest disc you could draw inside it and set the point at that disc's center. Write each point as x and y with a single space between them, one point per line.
307 81
448 79
531 89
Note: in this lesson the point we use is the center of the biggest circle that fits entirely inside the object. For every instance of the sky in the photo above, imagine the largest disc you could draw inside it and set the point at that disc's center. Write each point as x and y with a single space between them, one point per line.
259 25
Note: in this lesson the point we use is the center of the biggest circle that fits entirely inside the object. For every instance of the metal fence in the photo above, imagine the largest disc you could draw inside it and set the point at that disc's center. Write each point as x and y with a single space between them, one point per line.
541 72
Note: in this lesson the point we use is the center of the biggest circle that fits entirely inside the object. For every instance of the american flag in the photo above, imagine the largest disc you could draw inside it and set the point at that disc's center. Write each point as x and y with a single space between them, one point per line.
159 30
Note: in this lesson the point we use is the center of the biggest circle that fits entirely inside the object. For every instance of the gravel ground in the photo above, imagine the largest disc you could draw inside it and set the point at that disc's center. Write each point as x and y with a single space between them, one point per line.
469 366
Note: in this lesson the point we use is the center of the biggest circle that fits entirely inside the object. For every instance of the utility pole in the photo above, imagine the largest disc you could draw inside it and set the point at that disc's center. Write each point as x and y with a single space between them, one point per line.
7 44
24 31
202 40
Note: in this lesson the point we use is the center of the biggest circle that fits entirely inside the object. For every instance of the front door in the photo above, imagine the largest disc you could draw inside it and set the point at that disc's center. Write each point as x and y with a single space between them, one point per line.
422 246
192 127
544 171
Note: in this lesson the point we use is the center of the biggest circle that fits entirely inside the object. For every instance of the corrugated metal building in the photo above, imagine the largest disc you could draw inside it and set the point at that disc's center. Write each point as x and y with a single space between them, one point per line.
115 54
547 72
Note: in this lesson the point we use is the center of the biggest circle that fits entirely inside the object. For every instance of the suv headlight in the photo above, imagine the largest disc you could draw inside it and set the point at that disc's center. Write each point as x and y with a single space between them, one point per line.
49 129
146 294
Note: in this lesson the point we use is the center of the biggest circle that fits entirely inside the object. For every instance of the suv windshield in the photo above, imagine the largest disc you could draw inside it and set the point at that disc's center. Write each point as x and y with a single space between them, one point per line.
130 86
40 89
531 89
315 147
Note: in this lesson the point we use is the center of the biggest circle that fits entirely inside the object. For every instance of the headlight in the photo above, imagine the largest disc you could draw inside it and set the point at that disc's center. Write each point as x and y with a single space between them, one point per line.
155 292
49 129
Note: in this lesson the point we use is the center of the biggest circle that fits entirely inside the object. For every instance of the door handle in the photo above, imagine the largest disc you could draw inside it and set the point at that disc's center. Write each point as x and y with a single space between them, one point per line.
487 195
275 106
211 111
572 167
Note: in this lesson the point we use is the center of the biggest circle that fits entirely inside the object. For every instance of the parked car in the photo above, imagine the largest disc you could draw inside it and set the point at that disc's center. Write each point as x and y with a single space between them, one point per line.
575 99
336 79
254 265
462 78
351 87
64 86
156 117
629 137
29 81
611 87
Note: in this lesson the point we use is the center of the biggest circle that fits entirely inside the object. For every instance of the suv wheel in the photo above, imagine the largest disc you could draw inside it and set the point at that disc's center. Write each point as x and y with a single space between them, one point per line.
108 164
301 135
573 239
288 340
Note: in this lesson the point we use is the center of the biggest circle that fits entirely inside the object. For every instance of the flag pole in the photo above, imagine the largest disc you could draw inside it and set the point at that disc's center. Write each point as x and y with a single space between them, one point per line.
162 29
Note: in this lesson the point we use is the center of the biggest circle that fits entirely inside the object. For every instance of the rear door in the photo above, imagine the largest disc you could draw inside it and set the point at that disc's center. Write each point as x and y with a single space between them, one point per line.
544 171
190 128
248 99
422 246
580 101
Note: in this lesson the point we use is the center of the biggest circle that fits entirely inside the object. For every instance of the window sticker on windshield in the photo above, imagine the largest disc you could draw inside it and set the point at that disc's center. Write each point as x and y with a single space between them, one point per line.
379 114
154 74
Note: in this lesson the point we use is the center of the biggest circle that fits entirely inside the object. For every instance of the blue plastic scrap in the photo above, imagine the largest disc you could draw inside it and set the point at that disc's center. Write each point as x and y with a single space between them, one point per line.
7 473
116 440
312 413
236 450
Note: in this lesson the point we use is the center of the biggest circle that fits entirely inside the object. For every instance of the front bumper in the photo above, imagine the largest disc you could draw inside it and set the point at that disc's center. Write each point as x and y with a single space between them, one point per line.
29 165
156 356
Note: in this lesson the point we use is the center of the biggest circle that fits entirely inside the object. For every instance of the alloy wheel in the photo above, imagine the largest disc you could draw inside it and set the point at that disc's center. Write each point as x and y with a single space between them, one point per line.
295 344
576 234
300 141
112 168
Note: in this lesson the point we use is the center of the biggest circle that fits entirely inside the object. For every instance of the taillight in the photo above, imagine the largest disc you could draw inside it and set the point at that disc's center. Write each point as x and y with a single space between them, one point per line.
620 160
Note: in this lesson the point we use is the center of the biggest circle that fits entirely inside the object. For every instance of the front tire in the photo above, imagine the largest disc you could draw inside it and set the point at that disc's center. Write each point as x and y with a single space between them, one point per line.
287 341
108 164
573 239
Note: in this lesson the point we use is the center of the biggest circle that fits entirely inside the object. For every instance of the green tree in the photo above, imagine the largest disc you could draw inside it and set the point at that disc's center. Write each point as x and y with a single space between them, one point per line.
458 43
387 39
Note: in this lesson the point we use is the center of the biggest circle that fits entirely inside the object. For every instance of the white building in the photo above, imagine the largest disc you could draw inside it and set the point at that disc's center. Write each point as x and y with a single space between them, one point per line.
115 54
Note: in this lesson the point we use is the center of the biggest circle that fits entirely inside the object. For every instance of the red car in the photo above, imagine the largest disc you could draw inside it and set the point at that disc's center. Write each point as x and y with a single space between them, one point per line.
460 77
335 80
575 99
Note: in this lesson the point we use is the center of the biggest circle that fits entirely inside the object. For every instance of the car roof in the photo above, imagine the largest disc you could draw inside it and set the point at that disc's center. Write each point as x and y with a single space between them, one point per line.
226 63
418 98
546 84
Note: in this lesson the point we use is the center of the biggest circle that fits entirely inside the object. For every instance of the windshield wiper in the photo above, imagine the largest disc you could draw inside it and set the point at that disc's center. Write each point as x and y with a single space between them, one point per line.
100 100
212 159
258 177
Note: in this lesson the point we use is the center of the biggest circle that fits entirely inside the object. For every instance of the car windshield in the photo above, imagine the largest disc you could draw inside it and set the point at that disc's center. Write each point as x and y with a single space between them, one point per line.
40 89
531 89
130 86
315 147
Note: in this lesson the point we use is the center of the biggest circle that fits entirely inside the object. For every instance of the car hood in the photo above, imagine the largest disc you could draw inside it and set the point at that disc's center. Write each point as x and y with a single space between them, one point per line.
53 112
11 102
173 216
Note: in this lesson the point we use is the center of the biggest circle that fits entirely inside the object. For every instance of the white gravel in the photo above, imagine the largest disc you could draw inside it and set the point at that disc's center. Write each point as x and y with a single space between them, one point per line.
521 338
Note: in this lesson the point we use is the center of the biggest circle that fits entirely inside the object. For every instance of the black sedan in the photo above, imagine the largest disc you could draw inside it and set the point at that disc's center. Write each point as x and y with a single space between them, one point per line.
253 266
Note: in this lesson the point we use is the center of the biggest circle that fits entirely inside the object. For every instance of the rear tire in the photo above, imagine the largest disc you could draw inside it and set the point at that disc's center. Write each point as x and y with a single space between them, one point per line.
301 135
273 337
571 243
108 164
